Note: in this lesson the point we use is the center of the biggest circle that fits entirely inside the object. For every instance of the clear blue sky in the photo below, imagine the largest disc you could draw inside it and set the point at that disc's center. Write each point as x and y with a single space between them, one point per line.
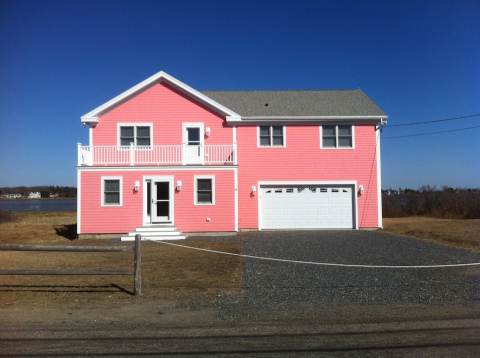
418 60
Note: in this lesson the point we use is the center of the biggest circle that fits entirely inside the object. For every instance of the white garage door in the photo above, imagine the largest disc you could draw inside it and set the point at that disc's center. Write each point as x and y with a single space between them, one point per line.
307 206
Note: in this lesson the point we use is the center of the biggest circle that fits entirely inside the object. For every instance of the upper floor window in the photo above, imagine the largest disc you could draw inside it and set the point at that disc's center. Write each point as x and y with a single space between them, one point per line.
136 134
337 136
271 136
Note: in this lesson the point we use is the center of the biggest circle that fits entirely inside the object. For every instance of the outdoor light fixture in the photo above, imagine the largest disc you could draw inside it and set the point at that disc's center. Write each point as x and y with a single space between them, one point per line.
179 185
207 132
136 185
361 190
253 189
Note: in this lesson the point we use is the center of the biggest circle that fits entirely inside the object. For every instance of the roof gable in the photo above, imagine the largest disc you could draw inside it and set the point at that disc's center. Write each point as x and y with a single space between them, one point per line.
92 117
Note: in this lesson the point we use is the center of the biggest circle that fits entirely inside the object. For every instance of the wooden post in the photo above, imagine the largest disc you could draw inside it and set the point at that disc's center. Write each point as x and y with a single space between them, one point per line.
137 266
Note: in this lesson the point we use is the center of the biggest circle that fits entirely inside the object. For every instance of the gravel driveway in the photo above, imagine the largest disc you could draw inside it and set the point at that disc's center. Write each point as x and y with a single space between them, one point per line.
286 286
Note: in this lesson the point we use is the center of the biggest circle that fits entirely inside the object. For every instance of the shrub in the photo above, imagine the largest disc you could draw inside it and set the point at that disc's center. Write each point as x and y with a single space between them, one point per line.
450 203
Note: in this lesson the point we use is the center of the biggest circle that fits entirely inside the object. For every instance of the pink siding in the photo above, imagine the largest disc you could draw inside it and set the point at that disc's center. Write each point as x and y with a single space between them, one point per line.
302 159
187 216
166 109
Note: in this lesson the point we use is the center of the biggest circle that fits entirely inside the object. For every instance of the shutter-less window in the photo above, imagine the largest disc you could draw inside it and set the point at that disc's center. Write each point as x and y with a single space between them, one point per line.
138 135
127 135
337 136
271 136
111 191
329 137
143 135
204 191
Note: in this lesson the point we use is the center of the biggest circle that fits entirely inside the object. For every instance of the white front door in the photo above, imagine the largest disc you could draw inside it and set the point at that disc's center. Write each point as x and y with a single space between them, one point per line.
160 204
193 143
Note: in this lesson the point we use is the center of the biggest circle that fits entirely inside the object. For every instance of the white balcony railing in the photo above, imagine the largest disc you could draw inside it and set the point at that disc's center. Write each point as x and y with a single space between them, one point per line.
175 154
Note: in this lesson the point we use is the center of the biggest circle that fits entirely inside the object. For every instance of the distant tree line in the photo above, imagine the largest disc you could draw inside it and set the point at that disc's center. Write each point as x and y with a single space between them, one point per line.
447 202
45 190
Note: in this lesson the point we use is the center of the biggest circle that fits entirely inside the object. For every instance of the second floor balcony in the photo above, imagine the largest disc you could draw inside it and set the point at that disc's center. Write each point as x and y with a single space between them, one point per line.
157 155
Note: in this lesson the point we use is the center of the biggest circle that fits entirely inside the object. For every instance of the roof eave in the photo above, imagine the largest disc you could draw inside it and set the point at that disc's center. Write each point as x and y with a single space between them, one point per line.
298 119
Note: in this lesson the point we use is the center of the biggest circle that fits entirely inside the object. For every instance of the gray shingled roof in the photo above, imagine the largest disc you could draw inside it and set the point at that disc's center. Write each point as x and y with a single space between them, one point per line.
297 103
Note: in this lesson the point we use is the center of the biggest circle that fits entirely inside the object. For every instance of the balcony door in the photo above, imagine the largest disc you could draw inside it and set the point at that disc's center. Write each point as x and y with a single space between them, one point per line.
193 137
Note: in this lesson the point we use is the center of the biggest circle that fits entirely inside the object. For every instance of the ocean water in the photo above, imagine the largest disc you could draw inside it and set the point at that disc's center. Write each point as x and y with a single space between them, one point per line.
39 205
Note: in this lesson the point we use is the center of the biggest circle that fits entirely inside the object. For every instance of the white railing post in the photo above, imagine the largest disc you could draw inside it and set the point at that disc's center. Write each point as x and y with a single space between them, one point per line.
235 162
184 153
90 156
132 154
79 154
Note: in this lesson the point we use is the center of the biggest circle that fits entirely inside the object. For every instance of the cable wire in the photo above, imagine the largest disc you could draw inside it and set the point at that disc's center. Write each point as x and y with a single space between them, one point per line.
434 121
430 133
315 262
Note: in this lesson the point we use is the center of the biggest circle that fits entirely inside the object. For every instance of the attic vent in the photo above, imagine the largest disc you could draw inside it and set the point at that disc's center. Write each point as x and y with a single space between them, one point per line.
266 104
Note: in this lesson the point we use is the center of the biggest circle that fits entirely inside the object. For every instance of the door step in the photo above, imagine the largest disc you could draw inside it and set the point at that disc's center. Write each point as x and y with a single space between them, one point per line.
155 229
155 232
154 238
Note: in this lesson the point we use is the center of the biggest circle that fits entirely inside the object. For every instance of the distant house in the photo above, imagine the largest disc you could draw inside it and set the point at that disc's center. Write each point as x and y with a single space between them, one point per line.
12 196
34 195
53 195
163 157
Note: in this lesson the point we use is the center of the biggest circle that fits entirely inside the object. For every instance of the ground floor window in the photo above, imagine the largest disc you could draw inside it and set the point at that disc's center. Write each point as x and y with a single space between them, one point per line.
204 190
111 191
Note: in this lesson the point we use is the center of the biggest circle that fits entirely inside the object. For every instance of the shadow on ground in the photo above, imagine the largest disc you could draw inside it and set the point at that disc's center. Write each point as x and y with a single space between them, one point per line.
114 288
67 231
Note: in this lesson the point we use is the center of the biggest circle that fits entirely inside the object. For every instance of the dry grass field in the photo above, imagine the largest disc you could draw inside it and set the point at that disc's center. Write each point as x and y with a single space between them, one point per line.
169 273
452 232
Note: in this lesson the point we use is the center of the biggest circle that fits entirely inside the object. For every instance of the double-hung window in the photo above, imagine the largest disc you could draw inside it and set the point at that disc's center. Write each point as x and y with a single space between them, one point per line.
204 190
337 136
136 134
271 136
111 191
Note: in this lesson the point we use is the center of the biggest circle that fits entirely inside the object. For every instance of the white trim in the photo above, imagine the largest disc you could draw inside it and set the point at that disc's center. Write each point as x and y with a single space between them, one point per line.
306 182
195 199
90 136
302 120
235 197
102 193
93 115
168 168
79 200
135 125
336 135
379 180
259 207
284 133
166 178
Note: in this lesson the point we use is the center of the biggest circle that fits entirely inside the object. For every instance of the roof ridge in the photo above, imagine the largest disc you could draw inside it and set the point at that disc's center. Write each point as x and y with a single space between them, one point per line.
285 90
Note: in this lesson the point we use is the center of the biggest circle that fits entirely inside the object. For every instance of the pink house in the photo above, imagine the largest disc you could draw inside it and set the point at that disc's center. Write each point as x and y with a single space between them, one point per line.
165 159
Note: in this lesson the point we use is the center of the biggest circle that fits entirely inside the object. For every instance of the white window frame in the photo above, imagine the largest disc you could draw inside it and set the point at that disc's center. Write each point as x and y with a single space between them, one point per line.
336 136
102 188
284 133
135 125
195 199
